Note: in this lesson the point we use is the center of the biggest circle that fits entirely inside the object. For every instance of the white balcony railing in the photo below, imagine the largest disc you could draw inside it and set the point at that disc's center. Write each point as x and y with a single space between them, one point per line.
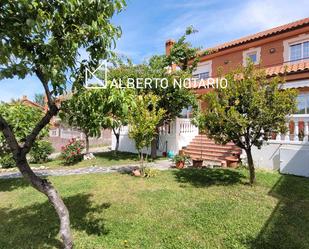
179 126
297 130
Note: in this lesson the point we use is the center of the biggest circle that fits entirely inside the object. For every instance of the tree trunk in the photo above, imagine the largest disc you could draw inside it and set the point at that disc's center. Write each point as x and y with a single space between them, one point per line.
251 166
142 159
154 143
45 187
87 143
117 136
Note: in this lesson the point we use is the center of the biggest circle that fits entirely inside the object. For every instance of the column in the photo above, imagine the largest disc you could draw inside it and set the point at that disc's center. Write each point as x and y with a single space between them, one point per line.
306 131
296 130
287 134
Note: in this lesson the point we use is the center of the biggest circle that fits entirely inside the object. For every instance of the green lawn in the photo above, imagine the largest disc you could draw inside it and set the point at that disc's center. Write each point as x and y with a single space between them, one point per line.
103 159
177 209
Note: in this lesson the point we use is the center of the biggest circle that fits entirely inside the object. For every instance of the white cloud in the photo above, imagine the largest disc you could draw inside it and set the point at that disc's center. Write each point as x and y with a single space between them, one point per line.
187 4
232 22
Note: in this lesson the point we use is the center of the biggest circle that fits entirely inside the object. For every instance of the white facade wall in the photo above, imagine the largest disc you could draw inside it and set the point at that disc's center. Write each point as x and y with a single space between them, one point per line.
172 137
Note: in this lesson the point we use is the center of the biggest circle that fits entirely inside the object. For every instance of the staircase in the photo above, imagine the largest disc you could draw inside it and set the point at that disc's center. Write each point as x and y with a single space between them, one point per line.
203 147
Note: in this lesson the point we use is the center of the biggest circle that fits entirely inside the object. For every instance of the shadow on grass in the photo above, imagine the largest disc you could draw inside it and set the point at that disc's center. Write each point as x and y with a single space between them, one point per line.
207 177
288 225
112 156
12 184
37 226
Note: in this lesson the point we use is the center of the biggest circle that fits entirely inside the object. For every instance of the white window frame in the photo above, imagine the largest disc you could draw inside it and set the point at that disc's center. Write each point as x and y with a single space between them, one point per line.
304 95
293 41
54 132
203 67
247 52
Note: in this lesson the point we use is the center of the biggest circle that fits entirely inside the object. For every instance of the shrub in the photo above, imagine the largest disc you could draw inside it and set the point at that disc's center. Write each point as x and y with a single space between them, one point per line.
7 161
149 172
72 152
40 151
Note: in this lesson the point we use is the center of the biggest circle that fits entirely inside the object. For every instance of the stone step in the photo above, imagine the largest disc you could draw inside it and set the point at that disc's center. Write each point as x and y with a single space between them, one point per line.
212 152
212 147
220 155
199 141
203 147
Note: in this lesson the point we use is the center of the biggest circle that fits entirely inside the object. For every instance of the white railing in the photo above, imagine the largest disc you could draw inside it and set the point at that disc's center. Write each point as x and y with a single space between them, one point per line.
172 136
177 127
297 130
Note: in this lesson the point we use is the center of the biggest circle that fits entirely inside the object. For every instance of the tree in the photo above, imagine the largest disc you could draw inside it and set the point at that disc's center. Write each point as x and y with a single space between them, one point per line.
85 111
174 99
248 111
22 119
43 38
183 54
120 101
39 98
143 118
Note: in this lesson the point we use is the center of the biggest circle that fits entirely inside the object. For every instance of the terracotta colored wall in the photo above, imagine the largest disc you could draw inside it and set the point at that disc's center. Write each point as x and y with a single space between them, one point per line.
235 58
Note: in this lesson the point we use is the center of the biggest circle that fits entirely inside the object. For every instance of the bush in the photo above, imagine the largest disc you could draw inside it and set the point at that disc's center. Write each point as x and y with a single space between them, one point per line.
41 151
7 161
72 152
149 172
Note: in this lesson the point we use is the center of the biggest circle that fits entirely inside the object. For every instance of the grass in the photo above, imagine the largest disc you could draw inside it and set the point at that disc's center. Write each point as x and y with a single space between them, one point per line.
103 159
211 208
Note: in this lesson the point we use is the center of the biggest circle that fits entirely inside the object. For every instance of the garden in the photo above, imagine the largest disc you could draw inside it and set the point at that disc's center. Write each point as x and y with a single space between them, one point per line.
182 207
189 208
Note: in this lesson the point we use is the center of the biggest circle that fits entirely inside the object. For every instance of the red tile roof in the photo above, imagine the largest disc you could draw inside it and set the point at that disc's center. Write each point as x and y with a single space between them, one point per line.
289 68
270 71
260 35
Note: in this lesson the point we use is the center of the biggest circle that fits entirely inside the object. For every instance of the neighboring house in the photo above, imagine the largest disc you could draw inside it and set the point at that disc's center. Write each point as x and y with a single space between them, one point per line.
60 134
283 50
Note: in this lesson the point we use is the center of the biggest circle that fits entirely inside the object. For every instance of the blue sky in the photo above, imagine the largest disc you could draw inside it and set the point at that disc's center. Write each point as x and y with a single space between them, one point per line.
146 25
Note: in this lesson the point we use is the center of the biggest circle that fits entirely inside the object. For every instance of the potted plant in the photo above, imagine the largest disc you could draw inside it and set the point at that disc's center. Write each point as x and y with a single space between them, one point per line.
198 162
180 161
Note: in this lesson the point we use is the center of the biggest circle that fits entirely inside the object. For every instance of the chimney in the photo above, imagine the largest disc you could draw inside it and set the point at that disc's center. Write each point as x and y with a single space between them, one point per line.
168 46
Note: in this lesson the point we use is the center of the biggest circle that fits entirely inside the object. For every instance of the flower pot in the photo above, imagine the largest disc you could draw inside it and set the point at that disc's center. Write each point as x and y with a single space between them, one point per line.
180 165
197 163
136 172
232 162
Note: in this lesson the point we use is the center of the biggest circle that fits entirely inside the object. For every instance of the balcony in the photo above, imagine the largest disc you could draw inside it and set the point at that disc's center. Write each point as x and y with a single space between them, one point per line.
298 130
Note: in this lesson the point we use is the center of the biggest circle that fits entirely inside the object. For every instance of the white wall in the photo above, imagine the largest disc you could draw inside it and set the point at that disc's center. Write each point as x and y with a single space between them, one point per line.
267 157
289 158
177 135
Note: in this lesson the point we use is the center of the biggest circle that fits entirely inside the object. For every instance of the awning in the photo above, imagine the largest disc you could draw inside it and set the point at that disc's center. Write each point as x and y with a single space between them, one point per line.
295 84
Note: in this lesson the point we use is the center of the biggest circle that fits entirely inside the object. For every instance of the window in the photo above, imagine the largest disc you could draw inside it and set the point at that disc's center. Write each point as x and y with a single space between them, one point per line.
202 76
186 112
252 57
303 104
299 51
203 70
254 54
53 133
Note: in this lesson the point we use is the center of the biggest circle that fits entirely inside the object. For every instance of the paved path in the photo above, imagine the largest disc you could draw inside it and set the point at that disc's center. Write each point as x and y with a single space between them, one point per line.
160 165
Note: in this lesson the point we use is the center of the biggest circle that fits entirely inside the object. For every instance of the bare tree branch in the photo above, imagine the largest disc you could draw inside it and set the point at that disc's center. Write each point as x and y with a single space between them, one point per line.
9 135
53 110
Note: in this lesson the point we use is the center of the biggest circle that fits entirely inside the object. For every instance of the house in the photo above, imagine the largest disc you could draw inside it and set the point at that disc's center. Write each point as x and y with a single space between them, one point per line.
60 134
282 50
